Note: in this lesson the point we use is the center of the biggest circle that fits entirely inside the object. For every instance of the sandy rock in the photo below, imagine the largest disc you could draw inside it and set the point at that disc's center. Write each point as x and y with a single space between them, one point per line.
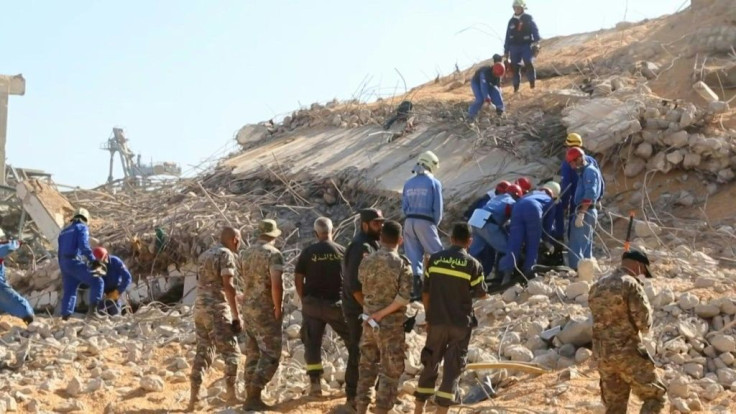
727 358
33 406
578 331
726 376
576 289
725 175
152 383
679 387
718 107
10 404
688 301
728 306
564 362
538 287
582 355
518 353
659 163
251 134
293 331
680 405
75 387
567 350
663 298
675 157
511 294
704 282
70 406
679 139
691 160
634 166
707 311
646 229
548 359
723 343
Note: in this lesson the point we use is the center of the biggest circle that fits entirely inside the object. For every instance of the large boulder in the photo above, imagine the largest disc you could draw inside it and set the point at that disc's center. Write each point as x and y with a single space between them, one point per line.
250 134
577 331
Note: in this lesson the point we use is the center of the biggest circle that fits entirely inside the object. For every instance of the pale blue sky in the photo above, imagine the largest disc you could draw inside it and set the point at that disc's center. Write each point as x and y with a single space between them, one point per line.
183 76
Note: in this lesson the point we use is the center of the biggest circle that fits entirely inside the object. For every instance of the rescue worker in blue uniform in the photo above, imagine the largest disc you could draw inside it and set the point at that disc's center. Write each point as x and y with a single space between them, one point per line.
494 232
587 192
532 219
116 281
11 302
522 36
421 204
74 249
569 184
485 255
486 86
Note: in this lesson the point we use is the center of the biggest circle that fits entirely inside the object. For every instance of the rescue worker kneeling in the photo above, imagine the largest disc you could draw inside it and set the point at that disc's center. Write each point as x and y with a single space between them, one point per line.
451 280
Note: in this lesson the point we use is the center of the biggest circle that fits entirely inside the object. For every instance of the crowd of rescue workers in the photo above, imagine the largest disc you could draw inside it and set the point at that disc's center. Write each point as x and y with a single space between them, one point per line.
509 236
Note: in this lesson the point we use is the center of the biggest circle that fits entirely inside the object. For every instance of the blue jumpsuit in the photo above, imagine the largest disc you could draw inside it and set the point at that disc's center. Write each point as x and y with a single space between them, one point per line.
421 203
487 256
117 278
493 234
73 247
531 219
485 86
569 184
10 301
581 238
521 32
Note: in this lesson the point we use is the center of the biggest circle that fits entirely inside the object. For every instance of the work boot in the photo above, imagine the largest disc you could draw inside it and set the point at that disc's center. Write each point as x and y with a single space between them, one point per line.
516 88
254 402
28 320
65 317
350 402
92 312
531 84
315 388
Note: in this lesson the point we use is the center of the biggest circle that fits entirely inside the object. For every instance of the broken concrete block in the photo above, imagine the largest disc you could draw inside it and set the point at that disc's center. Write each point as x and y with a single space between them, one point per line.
705 91
659 163
688 116
644 150
725 175
674 157
691 160
646 229
649 70
605 122
718 107
678 139
251 133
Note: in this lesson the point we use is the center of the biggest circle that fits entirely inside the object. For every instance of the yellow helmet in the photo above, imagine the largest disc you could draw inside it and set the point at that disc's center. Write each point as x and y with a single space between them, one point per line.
83 213
553 188
573 140
429 161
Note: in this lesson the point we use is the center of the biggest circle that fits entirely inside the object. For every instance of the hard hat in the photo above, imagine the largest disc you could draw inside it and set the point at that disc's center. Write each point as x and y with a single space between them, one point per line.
573 140
553 187
83 213
524 183
502 186
519 3
498 69
100 253
514 190
497 58
429 161
574 153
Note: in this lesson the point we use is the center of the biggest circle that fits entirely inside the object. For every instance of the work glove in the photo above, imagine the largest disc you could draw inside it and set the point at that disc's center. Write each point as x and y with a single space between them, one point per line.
579 218
237 327
112 295
98 268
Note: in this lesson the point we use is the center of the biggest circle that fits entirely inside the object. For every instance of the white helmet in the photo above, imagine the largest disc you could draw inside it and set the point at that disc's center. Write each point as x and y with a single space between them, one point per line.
519 3
83 213
553 188
429 161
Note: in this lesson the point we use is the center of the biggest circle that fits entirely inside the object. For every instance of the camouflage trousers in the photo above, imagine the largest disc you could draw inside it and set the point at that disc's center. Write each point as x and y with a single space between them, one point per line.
214 333
381 353
262 351
629 372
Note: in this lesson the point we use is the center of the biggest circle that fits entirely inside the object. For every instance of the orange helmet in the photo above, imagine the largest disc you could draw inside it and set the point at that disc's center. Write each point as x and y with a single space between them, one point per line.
524 183
502 186
514 190
100 253
498 69
574 153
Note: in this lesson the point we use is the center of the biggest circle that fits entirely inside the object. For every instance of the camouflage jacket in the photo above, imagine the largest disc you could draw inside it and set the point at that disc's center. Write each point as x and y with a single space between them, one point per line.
385 275
213 265
620 311
255 264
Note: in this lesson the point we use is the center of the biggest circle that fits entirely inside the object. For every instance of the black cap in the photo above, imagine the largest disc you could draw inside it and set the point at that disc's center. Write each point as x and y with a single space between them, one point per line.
638 256
370 214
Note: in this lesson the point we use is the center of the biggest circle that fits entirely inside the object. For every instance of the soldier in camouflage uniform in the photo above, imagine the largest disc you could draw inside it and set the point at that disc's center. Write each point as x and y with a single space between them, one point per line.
621 311
386 279
260 267
216 319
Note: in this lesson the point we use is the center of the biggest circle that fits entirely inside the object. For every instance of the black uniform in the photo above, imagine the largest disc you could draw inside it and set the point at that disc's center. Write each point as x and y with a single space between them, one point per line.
452 279
361 246
321 264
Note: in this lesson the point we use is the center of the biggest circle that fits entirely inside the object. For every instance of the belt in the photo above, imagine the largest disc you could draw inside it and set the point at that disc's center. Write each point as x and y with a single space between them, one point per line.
420 217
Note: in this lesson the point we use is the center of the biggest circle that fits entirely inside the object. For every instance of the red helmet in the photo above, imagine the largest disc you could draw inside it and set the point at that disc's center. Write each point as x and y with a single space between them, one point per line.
498 69
100 253
524 183
574 153
502 186
514 190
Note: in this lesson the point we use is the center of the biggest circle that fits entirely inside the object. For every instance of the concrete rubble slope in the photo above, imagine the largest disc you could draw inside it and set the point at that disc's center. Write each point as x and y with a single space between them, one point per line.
667 150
